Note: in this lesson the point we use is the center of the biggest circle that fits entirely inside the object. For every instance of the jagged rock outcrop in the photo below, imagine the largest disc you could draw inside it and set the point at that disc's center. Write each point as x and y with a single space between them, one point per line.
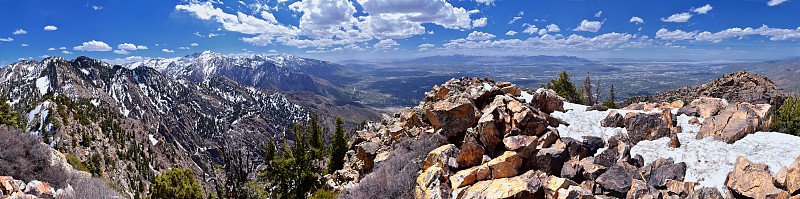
736 87
501 145
736 121
752 180
11 188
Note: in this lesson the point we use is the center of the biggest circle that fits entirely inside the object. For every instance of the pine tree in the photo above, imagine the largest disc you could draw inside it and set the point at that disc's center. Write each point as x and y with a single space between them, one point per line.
565 88
8 116
338 147
587 91
787 118
610 103
293 173
177 184
316 137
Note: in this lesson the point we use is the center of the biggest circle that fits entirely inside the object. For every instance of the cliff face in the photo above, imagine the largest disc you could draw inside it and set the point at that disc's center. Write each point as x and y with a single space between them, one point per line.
736 87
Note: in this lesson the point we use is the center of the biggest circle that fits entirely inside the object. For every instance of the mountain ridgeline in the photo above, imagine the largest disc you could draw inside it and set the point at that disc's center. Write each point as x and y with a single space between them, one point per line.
131 124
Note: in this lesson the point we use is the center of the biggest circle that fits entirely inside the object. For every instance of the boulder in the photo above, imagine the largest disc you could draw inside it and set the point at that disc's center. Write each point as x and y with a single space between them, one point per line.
676 104
682 189
547 101
469 176
453 115
527 185
597 107
528 121
39 189
548 139
506 165
644 126
556 183
366 152
614 119
487 131
674 142
574 192
662 170
618 150
67 192
549 160
790 178
442 156
751 180
512 143
706 193
617 179
471 152
572 170
640 189
732 124
707 107
593 143
430 184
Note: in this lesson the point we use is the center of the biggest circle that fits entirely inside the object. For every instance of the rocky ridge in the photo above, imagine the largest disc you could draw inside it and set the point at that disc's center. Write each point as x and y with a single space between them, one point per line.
504 144
736 87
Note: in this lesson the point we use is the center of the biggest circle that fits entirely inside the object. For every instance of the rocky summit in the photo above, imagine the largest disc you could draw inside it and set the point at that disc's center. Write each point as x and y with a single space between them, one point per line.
503 141
740 86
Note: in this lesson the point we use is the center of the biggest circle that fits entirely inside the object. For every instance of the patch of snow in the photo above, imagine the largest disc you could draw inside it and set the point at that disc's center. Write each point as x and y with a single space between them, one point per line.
709 161
527 97
43 84
84 71
152 139
487 86
95 102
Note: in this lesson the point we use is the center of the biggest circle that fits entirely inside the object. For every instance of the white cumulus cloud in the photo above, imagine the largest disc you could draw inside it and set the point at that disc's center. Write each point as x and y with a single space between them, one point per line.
51 49
20 32
93 46
679 18
665 34
121 52
637 20
589 26
487 2
480 22
553 28
704 9
131 47
511 33
775 2
66 52
194 44
531 29
167 50
50 28
598 14
479 36
6 39
386 44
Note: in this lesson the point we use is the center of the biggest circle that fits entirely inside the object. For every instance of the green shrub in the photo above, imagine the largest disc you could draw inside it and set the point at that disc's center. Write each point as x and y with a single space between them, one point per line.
323 194
787 119
176 184
76 163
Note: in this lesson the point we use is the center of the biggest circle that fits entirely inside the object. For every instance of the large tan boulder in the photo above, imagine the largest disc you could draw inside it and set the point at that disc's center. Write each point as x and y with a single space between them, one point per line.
487 131
528 185
39 189
789 177
469 176
453 116
732 124
751 180
547 100
613 119
512 143
574 192
506 165
442 157
682 189
704 107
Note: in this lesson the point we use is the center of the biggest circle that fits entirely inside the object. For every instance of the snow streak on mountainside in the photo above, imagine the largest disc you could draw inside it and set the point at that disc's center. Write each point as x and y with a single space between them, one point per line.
269 71
148 120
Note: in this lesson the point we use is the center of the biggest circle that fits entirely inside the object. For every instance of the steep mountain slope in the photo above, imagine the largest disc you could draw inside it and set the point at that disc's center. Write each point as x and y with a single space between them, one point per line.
131 124
275 72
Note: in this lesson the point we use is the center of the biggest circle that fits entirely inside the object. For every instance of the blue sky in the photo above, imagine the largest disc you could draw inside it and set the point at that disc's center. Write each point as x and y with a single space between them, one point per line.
120 30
